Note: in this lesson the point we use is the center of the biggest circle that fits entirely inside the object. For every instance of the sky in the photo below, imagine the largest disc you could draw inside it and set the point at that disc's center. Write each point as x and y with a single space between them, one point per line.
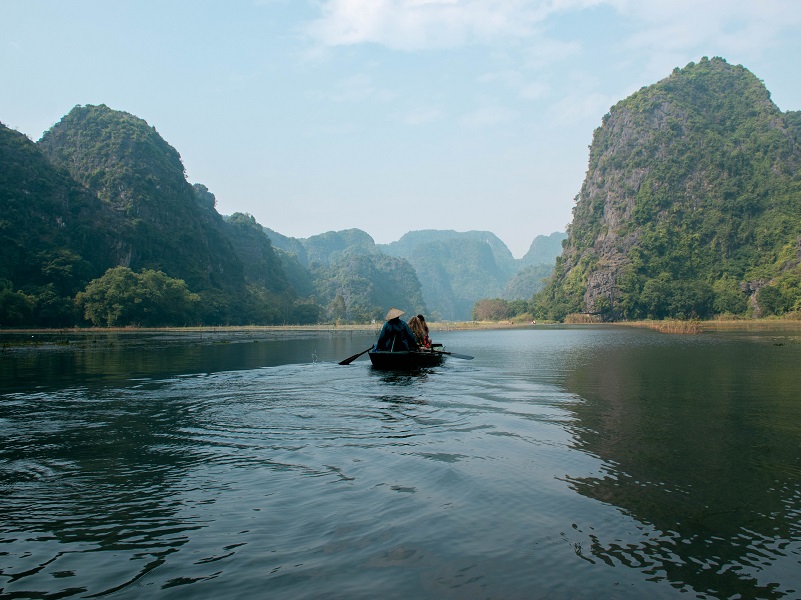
384 115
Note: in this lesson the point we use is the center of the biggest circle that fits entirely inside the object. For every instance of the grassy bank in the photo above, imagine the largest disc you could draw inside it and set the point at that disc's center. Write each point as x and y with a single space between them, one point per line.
103 338
694 326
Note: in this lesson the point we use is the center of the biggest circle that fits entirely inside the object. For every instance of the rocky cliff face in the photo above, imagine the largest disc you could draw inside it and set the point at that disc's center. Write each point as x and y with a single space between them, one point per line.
690 181
132 169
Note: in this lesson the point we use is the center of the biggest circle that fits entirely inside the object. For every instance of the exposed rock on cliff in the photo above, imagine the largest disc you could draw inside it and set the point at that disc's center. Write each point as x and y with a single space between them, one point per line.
692 189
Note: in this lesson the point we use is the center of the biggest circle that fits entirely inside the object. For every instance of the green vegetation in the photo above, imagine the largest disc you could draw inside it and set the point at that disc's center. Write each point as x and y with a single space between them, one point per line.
102 190
457 269
355 281
498 309
543 250
99 225
691 206
51 236
148 299
528 281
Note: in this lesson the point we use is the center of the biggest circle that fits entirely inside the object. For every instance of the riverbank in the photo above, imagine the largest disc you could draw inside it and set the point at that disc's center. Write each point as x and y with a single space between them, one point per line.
97 338
16 340
71 339
695 327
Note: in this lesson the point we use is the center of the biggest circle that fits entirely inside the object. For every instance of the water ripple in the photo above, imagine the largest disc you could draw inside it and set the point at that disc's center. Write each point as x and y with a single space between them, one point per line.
531 473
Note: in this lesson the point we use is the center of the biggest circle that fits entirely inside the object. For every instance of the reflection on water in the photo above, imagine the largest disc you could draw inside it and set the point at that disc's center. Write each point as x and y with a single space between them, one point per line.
699 441
583 462
109 357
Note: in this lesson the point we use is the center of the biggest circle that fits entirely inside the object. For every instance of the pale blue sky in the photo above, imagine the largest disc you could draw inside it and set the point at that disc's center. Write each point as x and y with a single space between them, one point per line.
386 115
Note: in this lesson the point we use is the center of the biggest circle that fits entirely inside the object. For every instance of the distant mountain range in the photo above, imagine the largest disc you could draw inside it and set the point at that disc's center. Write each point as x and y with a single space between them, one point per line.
103 191
455 269
691 207
458 268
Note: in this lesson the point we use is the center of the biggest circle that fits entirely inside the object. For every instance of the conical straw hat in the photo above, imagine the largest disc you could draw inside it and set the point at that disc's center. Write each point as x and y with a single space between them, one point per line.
393 314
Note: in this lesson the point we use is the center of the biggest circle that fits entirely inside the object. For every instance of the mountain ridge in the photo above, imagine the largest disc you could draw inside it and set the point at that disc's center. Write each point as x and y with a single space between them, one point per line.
450 284
691 207
691 194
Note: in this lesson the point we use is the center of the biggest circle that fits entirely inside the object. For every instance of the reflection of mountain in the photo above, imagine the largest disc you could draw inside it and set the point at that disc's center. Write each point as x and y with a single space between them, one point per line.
695 443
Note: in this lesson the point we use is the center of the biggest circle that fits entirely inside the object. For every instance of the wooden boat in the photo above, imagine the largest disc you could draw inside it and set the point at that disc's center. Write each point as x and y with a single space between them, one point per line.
405 360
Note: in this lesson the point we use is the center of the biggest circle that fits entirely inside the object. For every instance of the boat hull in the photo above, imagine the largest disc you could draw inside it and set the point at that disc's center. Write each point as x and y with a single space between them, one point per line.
404 361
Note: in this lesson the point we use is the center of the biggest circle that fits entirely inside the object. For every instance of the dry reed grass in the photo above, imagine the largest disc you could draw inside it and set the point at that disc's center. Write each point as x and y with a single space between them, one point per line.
673 326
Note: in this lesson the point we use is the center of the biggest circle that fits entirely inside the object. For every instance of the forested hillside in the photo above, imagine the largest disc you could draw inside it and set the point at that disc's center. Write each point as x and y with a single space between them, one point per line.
441 273
413 242
456 269
100 225
129 167
55 236
691 205
352 279
544 249
536 267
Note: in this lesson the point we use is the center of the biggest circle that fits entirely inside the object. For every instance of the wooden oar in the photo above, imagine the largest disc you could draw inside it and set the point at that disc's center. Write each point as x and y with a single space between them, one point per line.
350 359
455 355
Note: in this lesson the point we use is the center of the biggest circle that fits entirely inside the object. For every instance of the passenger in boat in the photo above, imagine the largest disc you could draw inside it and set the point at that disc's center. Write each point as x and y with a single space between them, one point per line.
419 327
395 335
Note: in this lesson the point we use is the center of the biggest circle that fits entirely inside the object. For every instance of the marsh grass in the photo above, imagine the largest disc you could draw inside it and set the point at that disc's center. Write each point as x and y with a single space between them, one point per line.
680 327
673 326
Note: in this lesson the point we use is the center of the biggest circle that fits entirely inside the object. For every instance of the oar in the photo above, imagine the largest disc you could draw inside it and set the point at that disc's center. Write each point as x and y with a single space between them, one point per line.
350 359
455 355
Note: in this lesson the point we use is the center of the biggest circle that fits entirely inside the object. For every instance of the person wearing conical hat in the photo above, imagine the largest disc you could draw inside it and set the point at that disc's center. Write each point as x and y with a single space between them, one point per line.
395 334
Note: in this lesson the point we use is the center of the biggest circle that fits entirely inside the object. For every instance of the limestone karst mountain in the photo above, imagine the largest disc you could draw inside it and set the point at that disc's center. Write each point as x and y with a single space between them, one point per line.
691 205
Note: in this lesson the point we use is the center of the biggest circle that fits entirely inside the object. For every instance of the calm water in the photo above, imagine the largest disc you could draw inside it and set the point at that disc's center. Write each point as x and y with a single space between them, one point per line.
560 463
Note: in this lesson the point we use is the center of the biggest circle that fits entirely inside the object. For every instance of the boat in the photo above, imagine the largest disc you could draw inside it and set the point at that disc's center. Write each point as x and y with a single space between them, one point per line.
405 360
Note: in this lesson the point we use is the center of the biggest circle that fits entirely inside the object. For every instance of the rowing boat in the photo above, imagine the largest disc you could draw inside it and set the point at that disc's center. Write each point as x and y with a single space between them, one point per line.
405 360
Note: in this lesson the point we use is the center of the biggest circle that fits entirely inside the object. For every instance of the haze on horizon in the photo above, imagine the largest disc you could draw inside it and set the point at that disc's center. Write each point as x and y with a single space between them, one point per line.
383 115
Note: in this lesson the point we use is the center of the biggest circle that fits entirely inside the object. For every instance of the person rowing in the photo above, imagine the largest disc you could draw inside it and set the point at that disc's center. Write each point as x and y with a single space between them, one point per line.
395 335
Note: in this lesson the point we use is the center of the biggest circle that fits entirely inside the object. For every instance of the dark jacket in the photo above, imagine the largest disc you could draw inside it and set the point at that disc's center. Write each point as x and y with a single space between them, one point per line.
396 336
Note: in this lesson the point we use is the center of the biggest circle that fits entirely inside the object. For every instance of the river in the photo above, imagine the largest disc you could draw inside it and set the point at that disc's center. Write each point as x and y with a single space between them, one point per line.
562 462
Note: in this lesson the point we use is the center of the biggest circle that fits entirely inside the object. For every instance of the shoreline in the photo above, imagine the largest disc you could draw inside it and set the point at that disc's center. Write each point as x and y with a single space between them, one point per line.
101 338
73 339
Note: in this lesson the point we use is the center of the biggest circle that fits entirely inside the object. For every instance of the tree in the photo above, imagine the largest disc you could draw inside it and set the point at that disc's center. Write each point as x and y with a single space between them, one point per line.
782 295
15 307
53 310
491 309
728 297
122 297
305 312
337 308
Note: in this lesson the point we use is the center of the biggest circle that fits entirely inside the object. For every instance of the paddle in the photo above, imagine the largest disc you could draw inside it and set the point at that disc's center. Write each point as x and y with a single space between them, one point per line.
455 355
350 359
